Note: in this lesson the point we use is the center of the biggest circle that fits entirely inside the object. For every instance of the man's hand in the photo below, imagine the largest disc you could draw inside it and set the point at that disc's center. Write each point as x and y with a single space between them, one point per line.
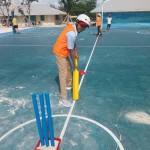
75 67
77 57
76 53
75 63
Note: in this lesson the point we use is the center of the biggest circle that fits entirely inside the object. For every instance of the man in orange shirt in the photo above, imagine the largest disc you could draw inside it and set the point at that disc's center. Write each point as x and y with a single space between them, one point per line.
65 46
98 24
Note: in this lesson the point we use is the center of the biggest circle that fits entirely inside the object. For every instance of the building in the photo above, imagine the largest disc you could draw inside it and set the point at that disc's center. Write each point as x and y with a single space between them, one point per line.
40 14
123 6
125 11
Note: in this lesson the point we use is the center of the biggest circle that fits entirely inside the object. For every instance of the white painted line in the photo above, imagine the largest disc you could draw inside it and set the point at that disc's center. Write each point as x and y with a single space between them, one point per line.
118 46
74 116
144 32
24 45
123 46
72 107
103 127
88 62
80 46
12 130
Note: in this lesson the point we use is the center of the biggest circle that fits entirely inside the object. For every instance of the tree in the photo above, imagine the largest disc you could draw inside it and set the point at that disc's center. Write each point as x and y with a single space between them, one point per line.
53 6
1 9
21 11
76 7
5 4
67 5
27 5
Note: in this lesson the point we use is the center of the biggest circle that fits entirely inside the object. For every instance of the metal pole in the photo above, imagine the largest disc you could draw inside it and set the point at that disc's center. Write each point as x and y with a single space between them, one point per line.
102 14
103 10
12 16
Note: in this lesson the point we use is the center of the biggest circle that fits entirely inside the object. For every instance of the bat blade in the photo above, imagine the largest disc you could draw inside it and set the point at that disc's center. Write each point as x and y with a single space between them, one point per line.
75 84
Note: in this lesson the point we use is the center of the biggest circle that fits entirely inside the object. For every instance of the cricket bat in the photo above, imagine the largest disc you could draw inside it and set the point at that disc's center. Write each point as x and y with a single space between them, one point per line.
75 82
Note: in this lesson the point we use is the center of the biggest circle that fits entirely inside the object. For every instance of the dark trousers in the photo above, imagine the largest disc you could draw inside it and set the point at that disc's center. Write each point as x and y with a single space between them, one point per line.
99 30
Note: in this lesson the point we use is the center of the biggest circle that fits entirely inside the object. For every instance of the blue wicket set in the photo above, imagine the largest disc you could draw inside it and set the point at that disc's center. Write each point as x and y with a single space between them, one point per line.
45 129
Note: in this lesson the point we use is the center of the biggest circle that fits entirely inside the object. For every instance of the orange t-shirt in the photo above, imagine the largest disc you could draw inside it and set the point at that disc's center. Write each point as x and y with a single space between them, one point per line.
60 47
98 21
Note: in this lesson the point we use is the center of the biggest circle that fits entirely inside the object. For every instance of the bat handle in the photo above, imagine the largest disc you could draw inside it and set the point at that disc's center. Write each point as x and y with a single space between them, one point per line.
76 62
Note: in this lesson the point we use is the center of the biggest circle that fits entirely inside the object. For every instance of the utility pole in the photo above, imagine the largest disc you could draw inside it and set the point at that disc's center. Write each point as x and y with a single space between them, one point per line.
12 9
103 10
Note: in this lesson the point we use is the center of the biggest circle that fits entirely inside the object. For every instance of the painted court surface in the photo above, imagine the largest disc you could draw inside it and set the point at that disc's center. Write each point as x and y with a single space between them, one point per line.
113 111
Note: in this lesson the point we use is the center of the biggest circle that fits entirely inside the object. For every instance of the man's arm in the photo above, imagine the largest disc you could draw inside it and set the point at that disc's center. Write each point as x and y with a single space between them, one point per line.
72 46
73 56
76 52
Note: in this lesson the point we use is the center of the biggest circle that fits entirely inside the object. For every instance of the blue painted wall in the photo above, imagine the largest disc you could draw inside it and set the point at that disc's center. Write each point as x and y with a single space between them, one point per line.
129 17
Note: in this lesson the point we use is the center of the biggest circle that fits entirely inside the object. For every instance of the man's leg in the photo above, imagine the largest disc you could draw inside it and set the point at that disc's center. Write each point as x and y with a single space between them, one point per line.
62 69
69 73
17 30
98 30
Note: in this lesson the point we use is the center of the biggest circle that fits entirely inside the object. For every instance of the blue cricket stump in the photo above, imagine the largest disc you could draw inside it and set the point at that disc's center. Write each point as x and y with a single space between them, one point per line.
45 127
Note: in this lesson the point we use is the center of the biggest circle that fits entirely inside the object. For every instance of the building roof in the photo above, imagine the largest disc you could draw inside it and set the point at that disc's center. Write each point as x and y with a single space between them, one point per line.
123 6
39 9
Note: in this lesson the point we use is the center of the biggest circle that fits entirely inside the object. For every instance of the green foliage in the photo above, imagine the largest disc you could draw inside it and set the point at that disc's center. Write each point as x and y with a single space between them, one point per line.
76 7
5 3
66 5
20 10
28 2
53 6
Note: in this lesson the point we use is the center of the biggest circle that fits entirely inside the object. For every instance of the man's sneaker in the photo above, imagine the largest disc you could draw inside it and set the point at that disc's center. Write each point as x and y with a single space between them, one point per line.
65 102
68 88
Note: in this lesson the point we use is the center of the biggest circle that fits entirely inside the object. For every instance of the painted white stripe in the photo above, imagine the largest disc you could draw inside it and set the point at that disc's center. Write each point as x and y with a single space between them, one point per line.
79 46
103 127
24 45
74 116
72 107
122 46
12 130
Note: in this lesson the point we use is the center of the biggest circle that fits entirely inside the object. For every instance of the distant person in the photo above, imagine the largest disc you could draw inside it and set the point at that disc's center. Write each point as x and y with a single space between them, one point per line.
39 22
34 23
109 21
99 24
15 24
63 48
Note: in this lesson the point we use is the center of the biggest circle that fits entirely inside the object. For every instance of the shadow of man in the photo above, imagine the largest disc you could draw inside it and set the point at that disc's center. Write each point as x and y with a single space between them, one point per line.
57 81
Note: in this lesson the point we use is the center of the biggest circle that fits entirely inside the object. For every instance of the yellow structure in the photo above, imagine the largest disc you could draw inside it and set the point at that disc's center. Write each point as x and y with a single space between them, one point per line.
76 82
